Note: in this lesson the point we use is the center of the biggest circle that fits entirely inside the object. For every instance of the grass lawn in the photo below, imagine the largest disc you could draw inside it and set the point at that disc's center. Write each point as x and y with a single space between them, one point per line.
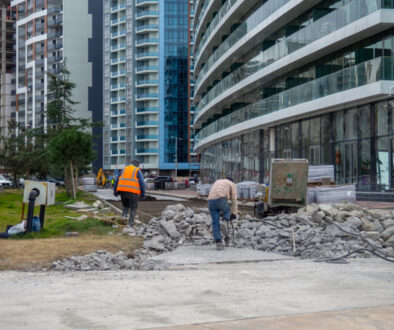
36 250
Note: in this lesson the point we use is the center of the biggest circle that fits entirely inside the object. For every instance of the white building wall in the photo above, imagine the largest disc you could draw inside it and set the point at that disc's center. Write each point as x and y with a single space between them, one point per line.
77 29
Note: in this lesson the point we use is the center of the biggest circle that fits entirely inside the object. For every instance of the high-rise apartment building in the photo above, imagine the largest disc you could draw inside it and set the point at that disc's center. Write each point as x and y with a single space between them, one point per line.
147 84
48 32
7 64
296 79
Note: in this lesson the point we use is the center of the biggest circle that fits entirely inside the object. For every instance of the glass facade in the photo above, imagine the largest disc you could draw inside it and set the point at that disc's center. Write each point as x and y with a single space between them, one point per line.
358 141
176 89
329 100
361 64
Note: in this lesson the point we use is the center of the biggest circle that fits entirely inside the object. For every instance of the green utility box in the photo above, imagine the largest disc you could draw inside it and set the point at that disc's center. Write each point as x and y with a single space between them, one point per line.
288 183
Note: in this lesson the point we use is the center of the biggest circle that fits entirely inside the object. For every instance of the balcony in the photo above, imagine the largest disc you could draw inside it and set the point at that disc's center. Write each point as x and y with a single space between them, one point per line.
356 76
118 73
146 2
118 7
144 96
147 137
146 55
148 82
304 37
147 151
147 41
147 14
149 68
118 60
153 123
147 110
147 27
118 34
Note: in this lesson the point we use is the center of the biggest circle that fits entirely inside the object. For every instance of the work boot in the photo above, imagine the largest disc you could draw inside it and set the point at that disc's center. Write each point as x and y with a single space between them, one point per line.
125 212
219 246
225 232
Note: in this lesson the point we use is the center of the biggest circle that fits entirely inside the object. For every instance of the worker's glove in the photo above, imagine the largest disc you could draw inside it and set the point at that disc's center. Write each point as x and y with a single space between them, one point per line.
233 216
115 194
142 197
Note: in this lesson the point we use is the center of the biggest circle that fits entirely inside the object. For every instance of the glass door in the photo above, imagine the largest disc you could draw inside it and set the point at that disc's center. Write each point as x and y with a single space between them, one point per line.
350 162
392 164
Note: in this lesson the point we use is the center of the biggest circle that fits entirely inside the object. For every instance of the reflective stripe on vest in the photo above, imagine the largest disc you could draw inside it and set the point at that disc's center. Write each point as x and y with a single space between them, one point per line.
128 180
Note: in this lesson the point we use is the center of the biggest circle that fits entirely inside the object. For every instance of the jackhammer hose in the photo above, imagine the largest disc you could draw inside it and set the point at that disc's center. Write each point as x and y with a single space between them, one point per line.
333 259
377 252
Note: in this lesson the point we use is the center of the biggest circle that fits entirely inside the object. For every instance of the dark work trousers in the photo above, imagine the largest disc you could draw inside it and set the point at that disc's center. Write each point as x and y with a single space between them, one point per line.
129 202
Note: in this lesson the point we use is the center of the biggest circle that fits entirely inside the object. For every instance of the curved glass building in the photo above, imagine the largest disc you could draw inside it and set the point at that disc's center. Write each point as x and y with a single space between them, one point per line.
295 79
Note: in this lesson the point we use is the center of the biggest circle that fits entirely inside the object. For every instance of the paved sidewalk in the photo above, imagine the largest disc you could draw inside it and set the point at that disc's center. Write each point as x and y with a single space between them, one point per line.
270 294
185 193
381 318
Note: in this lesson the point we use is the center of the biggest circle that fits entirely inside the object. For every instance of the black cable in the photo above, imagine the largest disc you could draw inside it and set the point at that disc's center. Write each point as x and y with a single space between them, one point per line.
333 259
364 239
232 225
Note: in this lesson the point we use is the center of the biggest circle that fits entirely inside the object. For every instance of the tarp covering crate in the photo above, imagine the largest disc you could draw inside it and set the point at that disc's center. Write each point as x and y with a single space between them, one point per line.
336 194
320 173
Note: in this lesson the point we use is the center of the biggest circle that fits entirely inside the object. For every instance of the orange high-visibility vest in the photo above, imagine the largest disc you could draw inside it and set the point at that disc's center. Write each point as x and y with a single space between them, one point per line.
128 180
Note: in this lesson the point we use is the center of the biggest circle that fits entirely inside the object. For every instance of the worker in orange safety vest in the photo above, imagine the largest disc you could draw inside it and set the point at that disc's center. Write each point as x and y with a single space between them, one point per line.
130 186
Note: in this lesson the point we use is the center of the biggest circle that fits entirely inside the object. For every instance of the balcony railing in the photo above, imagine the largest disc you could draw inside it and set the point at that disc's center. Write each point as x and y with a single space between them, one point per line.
147 13
148 123
147 68
147 54
147 41
147 151
381 68
151 109
147 82
325 25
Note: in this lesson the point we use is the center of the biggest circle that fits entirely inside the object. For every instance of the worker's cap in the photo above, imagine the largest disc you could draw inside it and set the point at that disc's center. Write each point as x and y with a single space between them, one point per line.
135 162
230 178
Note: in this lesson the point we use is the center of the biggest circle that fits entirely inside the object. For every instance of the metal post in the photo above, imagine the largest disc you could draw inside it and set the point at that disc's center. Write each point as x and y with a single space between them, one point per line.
42 215
176 159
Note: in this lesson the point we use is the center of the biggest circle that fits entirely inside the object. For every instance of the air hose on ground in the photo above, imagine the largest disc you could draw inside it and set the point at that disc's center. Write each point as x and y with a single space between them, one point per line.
375 251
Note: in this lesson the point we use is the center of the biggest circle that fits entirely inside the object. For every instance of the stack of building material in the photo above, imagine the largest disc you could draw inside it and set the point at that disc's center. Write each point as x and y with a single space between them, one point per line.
203 189
247 189
311 195
89 184
336 194
321 174
180 185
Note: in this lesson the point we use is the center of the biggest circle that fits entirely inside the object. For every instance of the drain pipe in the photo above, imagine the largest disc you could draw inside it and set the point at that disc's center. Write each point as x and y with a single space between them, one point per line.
30 212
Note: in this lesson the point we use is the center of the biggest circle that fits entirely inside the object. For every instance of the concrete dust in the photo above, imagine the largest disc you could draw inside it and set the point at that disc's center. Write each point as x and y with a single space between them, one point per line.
206 293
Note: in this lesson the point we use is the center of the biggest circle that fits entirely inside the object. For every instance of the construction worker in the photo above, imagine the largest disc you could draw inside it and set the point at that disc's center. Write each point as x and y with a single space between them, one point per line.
130 185
221 191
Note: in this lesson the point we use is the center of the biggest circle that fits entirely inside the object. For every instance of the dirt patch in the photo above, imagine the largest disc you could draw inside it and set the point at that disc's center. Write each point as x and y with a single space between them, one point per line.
40 253
149 209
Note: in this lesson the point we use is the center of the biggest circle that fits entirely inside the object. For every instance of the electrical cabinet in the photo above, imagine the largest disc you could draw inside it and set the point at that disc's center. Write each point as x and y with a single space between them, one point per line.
47 192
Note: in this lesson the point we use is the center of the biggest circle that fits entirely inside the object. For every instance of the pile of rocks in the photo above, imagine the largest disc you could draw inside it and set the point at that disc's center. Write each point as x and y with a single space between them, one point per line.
99 260
318 230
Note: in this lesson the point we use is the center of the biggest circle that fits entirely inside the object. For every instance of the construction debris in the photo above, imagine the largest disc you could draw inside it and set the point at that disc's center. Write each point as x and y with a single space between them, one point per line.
318 230
78 206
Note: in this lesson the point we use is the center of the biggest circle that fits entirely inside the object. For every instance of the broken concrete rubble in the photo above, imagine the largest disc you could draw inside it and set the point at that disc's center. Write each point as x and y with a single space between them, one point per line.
318 230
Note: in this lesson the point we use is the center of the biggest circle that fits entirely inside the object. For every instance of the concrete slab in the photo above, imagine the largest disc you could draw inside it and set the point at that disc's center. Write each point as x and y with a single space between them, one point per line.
205 294
106 194
167 198
381 318
197 255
